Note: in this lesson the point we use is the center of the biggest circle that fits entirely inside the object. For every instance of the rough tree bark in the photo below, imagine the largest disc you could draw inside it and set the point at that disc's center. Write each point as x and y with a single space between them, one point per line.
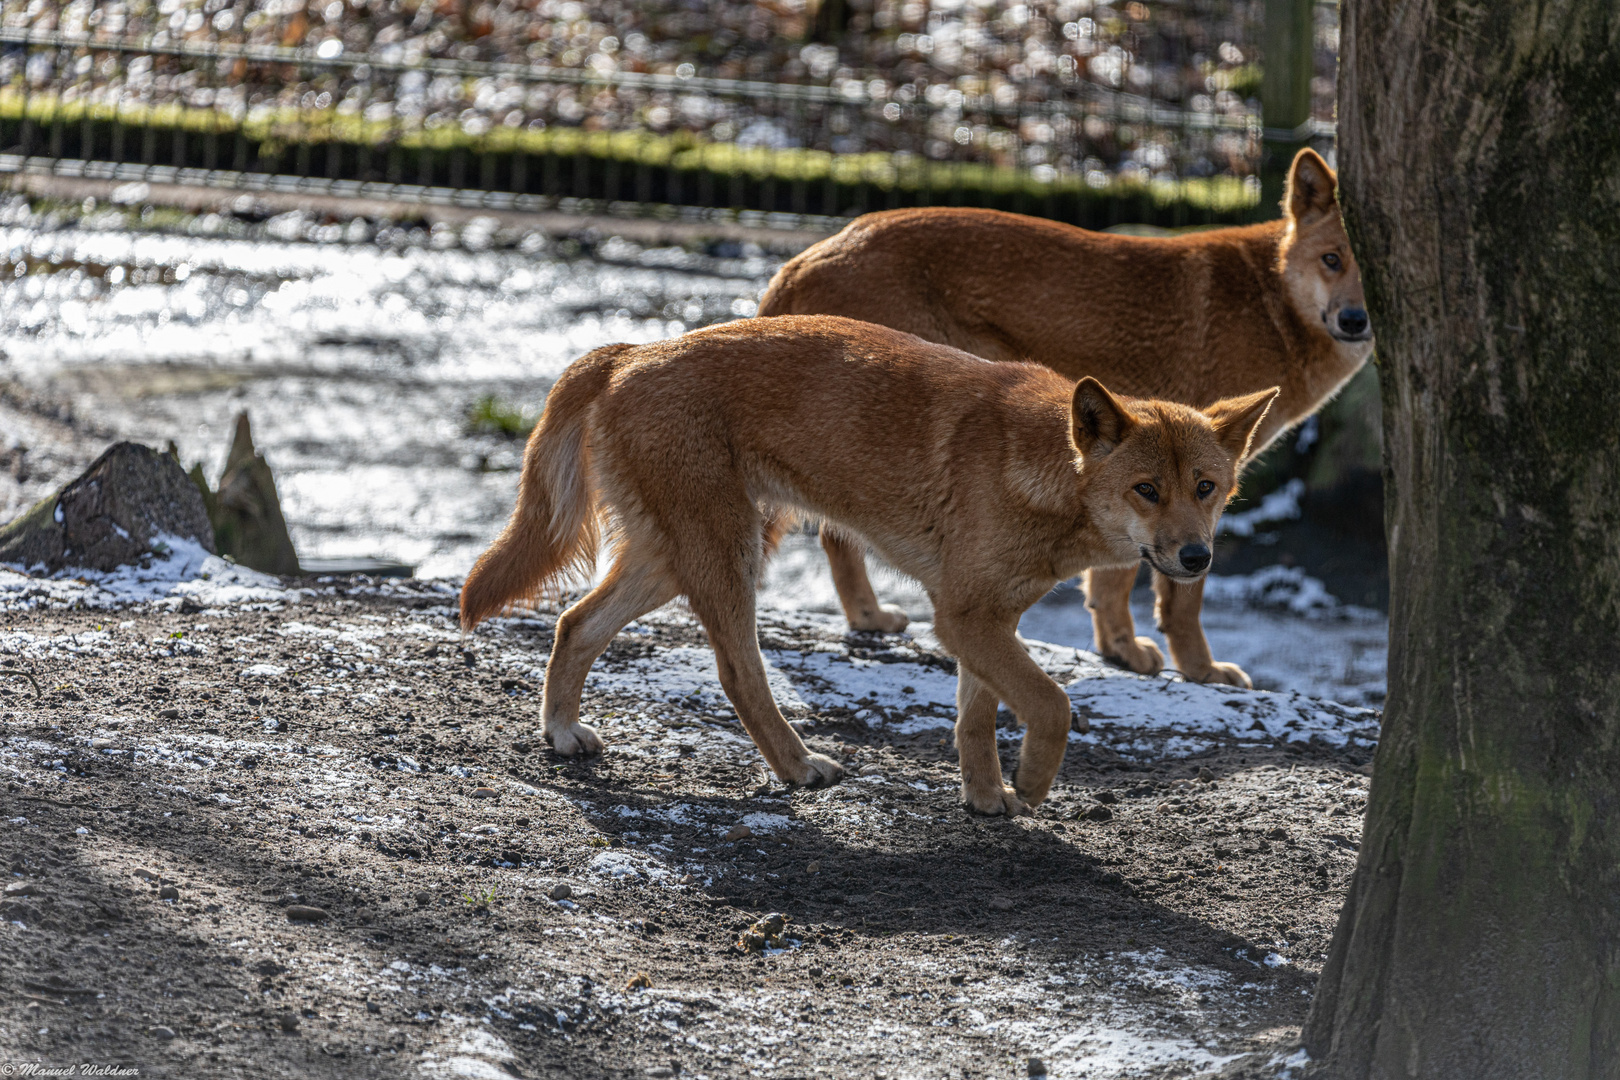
1480 175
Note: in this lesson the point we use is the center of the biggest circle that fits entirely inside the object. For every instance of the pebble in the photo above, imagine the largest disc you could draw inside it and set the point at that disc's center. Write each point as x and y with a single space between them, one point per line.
1100 813
423 896
306 913
737 832
168 892
103 744
958 978
289 1021
162 1032
169 714
1278 833
1035 1067
814 867
1205 774
373 1007
561 891
1000 903
660 1071
1107 796
146 875
483 793
522 746
871 770
23 888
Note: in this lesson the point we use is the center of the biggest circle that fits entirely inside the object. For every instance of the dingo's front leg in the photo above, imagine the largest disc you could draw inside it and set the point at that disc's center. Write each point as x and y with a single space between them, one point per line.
847 560
1178 609
1108 595
990 652
983 791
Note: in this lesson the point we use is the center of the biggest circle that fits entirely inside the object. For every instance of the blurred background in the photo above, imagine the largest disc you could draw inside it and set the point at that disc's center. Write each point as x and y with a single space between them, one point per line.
381 229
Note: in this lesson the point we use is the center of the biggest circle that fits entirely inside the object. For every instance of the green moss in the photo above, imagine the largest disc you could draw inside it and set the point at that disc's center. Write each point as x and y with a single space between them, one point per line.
276 129
490 415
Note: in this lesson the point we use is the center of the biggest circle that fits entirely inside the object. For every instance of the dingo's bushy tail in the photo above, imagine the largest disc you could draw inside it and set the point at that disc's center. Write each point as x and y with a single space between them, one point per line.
556 527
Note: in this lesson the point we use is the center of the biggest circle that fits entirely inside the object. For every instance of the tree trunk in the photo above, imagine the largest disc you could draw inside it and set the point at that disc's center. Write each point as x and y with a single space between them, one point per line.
1480 176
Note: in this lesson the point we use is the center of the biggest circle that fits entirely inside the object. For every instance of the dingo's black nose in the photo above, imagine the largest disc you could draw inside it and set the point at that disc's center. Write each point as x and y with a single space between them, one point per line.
1195 557
1353 321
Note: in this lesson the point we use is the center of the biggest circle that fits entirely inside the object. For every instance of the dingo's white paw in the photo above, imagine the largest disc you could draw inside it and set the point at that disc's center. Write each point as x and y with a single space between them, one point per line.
887 619
818 770
575 739
1140 656
994 803
1227 674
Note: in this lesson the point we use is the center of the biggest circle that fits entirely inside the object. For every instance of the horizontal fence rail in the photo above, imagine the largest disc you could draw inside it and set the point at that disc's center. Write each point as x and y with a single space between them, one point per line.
1088 154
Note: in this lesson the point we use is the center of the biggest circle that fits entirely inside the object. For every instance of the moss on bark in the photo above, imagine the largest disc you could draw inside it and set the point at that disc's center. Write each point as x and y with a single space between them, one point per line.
1479 165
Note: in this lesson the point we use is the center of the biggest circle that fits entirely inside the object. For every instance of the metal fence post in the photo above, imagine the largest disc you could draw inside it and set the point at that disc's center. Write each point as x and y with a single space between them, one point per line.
1285 93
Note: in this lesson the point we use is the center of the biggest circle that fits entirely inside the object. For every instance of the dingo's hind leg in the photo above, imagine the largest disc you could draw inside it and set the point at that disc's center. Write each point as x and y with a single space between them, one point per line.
847 559
983 790
1108 595
631 589
723 600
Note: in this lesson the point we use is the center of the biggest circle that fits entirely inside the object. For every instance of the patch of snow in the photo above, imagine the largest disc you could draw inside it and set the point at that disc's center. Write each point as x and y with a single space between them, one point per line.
178 570
1279 506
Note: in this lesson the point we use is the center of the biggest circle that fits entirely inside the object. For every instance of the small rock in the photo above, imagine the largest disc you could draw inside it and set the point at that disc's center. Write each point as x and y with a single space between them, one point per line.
639 981
816 973
561 891
289 1021
1000 903
423 896
1278 833
483 793
1099 813
168 714
660 1071
958 978
161 1032
23 888
168 892
737 832
766 933
846 980
1205 774
688 879
306 913
1107 796
146 875
871 770
373 1008
522 746
1035 1067
814 867
103 744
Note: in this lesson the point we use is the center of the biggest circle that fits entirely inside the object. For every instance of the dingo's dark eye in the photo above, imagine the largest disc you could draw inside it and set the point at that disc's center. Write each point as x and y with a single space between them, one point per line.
1147 492
1331 261
1205 488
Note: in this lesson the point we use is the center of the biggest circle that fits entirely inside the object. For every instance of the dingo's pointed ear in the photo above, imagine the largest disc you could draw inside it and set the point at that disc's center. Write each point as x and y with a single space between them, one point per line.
1100 419
1236 419
1312 188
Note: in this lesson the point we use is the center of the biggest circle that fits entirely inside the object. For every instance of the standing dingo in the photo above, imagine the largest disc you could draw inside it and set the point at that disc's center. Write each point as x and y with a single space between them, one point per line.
1190 318
987 482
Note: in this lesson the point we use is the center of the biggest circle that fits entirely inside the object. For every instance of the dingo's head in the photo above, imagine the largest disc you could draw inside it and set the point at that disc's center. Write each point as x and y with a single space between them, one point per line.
1320 273
1158 474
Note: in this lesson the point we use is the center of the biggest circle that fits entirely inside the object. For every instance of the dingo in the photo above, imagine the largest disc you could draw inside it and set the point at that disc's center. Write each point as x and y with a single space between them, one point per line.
1190 318
988 482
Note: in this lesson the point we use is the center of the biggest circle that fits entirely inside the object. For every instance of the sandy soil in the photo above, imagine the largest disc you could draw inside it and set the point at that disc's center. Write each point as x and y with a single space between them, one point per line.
184 777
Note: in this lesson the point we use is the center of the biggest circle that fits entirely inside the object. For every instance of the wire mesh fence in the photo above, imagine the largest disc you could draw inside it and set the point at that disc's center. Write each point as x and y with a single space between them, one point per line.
1075 110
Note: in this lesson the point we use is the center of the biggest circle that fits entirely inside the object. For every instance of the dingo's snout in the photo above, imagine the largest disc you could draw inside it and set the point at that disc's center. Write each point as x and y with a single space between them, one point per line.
1351 324
1194 558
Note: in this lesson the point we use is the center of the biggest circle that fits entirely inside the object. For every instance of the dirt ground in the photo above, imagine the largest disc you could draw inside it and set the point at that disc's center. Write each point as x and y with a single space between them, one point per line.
181 784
